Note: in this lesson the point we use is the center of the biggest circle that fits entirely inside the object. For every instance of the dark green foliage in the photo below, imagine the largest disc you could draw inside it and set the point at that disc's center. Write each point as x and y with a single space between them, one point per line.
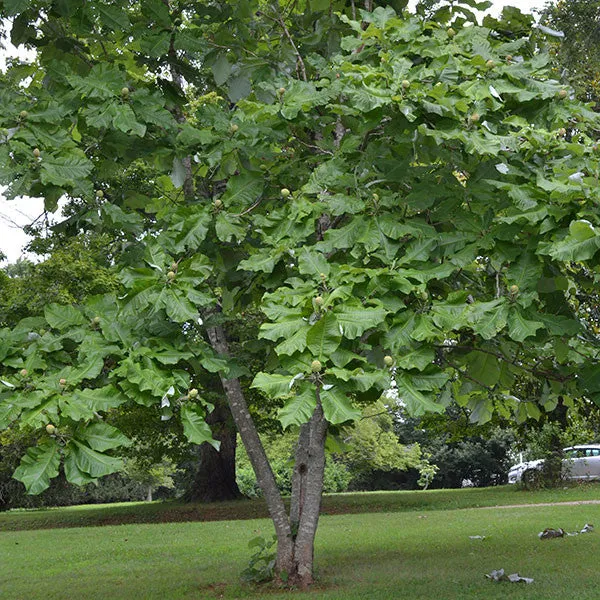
472 461
76 269
280 450
463 452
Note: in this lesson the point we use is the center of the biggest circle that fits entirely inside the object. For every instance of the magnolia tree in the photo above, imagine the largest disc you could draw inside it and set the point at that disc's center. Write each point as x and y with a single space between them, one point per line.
393 196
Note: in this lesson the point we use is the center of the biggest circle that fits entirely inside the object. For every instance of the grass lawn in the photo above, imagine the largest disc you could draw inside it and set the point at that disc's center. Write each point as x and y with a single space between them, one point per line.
167 512
414 554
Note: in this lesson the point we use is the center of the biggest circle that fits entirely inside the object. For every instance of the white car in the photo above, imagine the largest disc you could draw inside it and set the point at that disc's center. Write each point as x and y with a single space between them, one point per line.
579 463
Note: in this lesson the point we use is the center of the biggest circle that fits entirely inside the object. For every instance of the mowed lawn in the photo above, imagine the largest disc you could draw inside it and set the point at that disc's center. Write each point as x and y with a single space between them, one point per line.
380 555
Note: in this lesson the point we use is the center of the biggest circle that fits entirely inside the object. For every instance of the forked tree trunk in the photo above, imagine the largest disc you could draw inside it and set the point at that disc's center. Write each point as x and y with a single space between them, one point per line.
296 532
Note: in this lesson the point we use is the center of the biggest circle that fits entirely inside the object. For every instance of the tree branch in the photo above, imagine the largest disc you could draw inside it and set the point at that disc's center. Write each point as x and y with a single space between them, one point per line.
514 362
299 61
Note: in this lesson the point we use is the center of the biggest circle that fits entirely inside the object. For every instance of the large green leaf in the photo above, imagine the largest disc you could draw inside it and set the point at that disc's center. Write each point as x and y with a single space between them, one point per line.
354 321
63 316
260 262
487 318
365 380
194 232
482 410
221 69
102 437
285 328
104 80
299 408
190 136
195 428
415 401
324 337
520 328
242 190
73 473
113 17
229 227
575 249
311 262
337 407
273 384
9 411
38 467
418 358
39 414
65 170
525 273
295 342
177 306
125 120
94 463
98 399
484 368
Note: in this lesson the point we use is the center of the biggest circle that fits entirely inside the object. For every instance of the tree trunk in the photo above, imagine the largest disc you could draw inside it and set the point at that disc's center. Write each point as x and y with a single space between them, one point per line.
149 494
307 489
214 478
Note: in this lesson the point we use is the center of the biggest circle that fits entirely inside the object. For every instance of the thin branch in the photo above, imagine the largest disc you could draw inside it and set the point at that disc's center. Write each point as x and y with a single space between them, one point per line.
242 48
250 209
300 62
463 374
317 148
514 362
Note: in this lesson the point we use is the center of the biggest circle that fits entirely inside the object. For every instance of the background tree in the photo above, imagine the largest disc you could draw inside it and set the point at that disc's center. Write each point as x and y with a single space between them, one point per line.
394 194
76 267
576 50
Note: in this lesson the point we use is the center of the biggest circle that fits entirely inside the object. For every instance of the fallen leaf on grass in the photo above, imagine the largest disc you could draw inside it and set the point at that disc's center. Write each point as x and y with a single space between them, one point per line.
500 575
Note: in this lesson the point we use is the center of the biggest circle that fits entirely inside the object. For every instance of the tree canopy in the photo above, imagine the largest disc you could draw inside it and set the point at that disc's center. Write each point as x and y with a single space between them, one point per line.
394 194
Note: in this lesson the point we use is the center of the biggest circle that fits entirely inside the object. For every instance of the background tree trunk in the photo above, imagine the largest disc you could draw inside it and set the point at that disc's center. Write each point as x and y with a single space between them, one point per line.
214 477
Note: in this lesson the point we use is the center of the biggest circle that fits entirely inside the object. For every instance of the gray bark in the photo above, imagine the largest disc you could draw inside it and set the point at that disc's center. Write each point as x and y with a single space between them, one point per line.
307 489
256 454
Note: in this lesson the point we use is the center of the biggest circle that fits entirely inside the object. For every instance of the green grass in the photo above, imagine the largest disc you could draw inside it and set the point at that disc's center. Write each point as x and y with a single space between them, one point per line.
403 555
165 512
403 545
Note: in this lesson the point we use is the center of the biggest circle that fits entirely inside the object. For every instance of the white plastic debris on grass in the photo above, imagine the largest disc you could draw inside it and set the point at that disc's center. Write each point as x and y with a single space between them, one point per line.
550 533
500 575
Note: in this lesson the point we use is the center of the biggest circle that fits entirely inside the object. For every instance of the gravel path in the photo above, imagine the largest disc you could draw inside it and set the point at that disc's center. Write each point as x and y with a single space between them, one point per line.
569 503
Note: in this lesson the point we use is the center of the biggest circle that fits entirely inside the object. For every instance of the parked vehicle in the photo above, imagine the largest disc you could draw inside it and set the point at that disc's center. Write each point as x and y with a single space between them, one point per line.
579 463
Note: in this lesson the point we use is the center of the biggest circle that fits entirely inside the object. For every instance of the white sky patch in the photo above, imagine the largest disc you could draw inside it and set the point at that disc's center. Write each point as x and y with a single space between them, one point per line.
525 6
15 214
18 213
